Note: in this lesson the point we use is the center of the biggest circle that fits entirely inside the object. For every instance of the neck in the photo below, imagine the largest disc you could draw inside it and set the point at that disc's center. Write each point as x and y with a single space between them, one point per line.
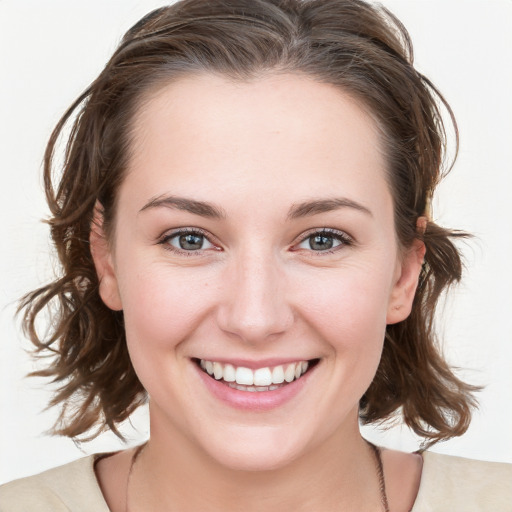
171 469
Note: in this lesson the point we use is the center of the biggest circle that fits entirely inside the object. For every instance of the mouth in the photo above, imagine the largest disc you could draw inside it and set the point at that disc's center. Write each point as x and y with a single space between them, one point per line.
268 378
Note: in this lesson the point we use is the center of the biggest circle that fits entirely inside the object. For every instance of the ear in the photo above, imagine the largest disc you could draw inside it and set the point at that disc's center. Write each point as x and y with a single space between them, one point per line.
404 288
103 261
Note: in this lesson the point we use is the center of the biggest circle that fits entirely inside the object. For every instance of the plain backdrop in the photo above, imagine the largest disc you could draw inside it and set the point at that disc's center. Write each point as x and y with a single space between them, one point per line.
50 51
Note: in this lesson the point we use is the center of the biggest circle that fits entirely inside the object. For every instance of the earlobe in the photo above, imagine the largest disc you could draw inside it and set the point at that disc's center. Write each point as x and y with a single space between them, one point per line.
404 289
103 262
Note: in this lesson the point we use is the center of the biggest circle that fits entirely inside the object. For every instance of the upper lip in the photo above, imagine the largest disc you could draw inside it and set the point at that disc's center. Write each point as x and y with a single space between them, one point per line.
255 364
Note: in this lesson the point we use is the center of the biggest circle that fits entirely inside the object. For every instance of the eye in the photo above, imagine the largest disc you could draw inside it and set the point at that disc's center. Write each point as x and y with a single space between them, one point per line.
187 241
324 241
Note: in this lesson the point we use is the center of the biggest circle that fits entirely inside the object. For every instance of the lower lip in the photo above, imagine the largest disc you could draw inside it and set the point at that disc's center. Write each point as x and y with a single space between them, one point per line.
254 400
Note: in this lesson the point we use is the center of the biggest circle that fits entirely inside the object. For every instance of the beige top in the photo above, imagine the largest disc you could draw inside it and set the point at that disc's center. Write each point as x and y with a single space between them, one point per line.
450 484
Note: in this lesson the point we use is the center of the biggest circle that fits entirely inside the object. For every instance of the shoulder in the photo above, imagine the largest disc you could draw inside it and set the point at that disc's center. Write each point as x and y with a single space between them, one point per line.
456 483
71 488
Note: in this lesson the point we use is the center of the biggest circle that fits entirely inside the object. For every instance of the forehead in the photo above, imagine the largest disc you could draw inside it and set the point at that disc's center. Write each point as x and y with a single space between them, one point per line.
210 131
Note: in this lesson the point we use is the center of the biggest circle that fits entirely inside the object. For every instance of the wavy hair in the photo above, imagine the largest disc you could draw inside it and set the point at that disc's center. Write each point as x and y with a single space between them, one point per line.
361 48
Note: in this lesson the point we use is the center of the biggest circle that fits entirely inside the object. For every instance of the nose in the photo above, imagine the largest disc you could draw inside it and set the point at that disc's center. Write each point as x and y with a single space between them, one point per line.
255 306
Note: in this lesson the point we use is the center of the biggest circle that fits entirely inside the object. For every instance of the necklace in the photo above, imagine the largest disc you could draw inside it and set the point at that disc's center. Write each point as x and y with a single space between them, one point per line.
375 450
135 456
380 472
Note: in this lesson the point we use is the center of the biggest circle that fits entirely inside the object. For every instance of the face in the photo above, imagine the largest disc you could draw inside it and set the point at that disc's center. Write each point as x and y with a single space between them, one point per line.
254 241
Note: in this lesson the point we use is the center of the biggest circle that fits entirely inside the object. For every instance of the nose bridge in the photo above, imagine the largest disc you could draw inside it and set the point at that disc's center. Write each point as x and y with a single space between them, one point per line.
255 305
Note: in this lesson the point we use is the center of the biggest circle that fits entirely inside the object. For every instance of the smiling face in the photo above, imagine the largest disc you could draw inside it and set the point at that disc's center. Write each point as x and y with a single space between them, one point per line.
254 240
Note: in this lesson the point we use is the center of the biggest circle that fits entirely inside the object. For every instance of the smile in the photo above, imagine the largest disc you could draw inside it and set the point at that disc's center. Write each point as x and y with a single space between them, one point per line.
254 380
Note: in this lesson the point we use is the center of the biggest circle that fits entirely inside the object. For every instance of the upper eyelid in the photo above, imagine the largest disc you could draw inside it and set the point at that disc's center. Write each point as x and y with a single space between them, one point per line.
213 240
343 237
328 231
164 239
170 233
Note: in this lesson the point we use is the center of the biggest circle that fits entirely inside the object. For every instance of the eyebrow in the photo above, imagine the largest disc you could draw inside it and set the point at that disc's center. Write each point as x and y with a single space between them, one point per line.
205 209
201 208
316 206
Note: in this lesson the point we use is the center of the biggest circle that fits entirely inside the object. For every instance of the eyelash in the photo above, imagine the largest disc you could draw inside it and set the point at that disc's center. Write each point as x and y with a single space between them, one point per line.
164 241
344 239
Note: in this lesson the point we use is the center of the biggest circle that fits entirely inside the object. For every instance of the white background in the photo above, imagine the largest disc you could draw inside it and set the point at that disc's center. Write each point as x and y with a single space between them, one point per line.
50 51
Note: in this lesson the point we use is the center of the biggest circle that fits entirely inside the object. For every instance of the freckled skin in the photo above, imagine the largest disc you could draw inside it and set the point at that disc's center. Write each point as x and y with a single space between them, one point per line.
257 290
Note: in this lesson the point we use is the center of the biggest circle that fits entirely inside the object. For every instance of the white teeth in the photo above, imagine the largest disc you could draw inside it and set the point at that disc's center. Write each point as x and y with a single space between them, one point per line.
252 388
261 379
244 376
217 371
229 373
278 375
289 373
237 386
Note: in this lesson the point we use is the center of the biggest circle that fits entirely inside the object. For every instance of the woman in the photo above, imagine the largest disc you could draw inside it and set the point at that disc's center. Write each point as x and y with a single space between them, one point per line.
243 223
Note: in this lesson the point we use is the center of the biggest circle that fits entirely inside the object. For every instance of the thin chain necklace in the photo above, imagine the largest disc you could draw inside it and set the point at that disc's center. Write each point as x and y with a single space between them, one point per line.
135 456
375 450
380 472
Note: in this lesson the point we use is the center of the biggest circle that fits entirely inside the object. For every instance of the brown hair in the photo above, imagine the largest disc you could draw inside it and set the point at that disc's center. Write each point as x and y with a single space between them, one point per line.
360 48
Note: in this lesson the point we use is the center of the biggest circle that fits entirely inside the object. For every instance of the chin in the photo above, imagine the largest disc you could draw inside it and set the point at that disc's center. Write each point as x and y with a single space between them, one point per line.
254 449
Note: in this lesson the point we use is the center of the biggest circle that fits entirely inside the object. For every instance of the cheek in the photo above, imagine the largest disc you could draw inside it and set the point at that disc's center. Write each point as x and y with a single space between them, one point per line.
161 308
349 308
349 319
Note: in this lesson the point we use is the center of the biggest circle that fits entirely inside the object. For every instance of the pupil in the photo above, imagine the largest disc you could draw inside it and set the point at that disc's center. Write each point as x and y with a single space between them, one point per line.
321 242
191 242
